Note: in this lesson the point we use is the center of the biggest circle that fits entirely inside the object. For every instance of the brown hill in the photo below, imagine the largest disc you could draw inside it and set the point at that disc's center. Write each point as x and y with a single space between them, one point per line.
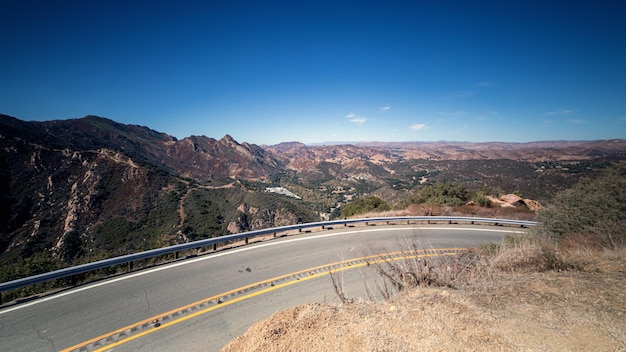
206 158
88 188
384 153
91 187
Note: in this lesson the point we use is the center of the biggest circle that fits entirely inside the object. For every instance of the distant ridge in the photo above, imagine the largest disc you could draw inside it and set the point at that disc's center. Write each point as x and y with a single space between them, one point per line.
93 185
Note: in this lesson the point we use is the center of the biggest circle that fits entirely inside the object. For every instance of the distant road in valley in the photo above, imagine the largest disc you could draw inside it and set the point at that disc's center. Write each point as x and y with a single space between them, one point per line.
69 318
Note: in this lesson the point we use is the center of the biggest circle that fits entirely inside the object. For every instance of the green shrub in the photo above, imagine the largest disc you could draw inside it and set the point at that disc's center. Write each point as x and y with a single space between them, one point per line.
592 207
442 193
482 201
364 205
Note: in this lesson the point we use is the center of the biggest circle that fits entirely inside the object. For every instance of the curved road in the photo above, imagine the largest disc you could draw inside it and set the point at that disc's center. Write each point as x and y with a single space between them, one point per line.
72 317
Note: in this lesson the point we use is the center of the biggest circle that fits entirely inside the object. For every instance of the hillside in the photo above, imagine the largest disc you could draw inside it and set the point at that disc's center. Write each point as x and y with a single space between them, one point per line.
578 310
83 189
538 169
559 287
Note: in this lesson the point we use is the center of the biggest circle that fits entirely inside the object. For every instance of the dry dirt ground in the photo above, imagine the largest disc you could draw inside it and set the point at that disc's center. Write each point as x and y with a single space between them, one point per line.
582 309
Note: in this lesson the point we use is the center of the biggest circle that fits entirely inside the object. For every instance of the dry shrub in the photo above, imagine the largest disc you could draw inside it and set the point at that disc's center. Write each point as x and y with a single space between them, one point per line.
420 210
591 242
589 252
520 254
412 271
339 287
526 254
530 254
581 242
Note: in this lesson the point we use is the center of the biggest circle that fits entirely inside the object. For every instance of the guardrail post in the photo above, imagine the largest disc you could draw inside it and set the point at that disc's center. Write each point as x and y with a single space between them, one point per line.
323 227
204 245
247 240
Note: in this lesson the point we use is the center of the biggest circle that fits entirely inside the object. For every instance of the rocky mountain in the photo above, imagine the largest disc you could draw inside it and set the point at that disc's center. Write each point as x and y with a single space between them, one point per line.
92 188
538 169
195 156
298 156
83 189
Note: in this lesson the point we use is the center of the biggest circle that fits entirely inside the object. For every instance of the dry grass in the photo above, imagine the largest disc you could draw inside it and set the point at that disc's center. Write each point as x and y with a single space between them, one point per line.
526 294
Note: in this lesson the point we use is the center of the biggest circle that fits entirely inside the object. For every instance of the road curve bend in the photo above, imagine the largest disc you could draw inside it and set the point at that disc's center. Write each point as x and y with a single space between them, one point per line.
204 302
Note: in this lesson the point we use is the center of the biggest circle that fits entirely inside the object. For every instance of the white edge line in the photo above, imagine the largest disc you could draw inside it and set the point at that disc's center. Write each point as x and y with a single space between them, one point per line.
229 252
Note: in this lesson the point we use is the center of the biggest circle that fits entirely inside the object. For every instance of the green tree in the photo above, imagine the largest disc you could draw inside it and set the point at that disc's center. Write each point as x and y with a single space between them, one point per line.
442 193
364 205
72 247
593 207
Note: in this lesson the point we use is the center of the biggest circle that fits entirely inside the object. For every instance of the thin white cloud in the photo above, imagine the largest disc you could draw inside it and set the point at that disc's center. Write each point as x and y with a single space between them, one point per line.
547 122
418 126
561 112
385 108
577 121
354 118
359 120
623 119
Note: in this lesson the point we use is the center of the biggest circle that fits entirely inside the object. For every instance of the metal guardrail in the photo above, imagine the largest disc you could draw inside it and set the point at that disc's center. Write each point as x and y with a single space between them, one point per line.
79 269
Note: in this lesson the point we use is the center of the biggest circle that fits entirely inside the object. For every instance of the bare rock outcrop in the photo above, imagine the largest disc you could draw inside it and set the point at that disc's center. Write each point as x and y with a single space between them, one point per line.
513 200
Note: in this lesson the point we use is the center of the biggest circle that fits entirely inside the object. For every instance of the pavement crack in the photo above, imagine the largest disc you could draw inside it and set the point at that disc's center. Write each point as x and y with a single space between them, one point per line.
145 293
43 338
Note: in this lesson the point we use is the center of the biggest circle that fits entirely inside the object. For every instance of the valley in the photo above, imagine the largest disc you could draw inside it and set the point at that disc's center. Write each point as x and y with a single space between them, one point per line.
80 190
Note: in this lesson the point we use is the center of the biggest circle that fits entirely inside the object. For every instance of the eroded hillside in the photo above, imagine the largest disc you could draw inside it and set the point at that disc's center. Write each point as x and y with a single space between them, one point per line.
83 189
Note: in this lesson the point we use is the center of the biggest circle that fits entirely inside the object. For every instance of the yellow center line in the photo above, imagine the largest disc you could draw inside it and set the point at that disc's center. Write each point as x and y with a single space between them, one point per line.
381 259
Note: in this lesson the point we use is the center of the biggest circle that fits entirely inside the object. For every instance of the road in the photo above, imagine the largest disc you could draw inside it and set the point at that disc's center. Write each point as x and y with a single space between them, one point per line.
74 316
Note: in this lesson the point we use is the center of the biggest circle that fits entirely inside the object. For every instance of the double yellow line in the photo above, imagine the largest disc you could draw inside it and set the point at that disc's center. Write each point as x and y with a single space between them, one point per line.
156 323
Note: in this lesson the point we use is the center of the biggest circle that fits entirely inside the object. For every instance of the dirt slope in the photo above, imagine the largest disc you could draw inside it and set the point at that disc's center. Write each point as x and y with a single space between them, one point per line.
581 310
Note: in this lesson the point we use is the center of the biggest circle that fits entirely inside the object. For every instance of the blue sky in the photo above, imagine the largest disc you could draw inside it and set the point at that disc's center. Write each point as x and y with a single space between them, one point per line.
316 71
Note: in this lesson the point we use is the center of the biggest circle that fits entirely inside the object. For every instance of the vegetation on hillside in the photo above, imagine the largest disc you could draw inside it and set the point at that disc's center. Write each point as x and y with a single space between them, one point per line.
364 205
594 209
443 193
564 280
98 189
587 218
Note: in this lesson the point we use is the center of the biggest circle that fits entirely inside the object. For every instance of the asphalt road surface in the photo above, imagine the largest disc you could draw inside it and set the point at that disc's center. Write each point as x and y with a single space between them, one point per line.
73 317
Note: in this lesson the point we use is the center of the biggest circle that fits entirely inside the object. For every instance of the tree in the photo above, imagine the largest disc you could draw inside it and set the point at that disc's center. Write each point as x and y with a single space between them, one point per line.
71 247
364 205
592 207
442 193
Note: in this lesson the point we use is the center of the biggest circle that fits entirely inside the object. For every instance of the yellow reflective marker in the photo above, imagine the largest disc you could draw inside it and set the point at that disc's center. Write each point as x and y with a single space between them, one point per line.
349 264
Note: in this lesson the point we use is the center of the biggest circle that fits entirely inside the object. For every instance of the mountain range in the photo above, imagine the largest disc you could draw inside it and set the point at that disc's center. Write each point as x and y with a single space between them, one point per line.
83 189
